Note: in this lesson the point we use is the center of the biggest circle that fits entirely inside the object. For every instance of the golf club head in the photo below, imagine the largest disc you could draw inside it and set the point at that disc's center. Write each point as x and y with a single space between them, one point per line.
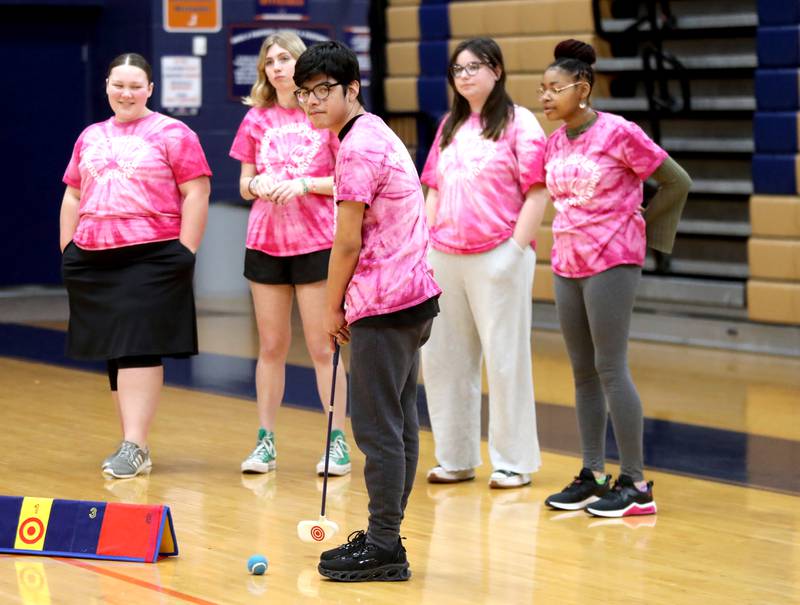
320 530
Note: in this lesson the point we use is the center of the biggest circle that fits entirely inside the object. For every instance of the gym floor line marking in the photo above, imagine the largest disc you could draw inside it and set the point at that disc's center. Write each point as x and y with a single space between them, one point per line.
137 582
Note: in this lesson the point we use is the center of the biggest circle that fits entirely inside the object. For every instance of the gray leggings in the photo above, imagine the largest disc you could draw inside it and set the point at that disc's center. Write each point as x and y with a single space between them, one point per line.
595 315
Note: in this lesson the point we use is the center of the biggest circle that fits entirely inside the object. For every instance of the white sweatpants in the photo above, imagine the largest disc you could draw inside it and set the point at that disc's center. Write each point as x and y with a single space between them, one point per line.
485 310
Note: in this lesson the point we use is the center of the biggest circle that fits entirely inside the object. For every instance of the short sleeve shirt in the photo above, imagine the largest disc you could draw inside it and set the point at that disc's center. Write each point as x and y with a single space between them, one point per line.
283 144
373 167
595 182
482 183
128 174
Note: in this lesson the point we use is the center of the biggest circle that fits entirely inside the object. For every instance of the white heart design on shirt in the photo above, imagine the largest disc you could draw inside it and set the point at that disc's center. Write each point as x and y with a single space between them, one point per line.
468 154
572 180
114 157
288 150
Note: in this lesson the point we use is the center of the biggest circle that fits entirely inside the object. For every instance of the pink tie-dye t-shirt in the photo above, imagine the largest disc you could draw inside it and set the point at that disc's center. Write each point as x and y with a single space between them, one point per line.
128 174
373 167
283 144
482 183
595 182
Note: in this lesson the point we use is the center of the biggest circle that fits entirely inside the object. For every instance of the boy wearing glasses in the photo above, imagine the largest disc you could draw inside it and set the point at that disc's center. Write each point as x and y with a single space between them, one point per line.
381 298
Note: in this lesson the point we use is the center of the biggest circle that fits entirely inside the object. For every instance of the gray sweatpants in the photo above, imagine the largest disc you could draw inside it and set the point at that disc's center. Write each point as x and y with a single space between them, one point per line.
485 314
384 367
595 315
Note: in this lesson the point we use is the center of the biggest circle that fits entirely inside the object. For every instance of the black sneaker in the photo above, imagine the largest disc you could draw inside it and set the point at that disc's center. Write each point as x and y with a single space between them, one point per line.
624 500
583 490
354 541
368 564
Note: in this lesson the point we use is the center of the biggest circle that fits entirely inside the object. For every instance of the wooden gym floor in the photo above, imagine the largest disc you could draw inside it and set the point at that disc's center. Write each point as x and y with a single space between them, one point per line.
722 444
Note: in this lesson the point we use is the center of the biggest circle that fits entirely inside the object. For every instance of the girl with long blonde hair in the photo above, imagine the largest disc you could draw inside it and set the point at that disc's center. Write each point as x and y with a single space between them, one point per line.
287 168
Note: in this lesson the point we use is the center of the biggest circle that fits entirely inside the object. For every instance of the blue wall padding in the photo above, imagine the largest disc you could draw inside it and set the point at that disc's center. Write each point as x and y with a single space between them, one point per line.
434 2
426 131
434 22
432 94
433 58
779 46
774 174
778 12
777 89
775 132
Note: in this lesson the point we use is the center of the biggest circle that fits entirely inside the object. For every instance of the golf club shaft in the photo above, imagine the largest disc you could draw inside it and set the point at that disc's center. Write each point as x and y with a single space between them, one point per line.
330 426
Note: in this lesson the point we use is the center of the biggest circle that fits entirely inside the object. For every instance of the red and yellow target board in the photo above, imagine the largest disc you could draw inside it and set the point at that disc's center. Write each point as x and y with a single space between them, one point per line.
93 530
32 524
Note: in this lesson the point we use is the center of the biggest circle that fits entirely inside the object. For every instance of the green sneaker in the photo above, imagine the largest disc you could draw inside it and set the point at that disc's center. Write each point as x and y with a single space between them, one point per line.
262 459
339 463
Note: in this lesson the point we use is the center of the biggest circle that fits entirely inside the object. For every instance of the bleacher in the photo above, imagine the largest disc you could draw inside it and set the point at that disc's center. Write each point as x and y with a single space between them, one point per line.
422 36
689 73
773 289
684 71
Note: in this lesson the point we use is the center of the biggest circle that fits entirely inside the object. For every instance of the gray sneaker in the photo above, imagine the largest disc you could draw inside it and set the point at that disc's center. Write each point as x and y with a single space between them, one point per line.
129 461
108 459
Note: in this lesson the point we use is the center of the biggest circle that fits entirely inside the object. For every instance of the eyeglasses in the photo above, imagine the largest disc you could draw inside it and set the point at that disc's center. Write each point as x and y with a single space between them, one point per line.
471 68
543 92
321 92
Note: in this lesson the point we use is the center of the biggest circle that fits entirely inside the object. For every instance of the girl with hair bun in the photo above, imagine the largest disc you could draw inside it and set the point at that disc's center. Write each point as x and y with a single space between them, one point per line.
594 168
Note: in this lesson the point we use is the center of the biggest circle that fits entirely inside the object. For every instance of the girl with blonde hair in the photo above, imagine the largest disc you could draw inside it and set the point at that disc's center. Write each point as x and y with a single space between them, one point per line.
287 168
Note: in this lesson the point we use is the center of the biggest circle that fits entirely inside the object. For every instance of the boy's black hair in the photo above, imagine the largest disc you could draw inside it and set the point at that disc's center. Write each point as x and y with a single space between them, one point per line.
332 59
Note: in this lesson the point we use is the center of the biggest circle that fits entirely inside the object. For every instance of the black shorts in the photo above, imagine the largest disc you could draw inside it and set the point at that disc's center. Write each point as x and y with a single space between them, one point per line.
264 268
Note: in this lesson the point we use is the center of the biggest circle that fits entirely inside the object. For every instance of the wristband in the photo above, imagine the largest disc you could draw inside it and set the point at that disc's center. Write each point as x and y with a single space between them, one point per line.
304 182
249 186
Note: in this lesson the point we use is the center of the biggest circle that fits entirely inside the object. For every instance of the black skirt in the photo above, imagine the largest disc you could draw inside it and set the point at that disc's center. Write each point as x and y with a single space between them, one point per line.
134 300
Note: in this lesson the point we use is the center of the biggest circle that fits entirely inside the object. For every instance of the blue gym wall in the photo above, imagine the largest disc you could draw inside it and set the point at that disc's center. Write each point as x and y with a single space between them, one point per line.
777 81
55 53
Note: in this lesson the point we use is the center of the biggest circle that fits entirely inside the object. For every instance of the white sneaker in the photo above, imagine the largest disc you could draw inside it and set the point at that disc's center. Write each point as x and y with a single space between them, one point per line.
505 479
441 475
